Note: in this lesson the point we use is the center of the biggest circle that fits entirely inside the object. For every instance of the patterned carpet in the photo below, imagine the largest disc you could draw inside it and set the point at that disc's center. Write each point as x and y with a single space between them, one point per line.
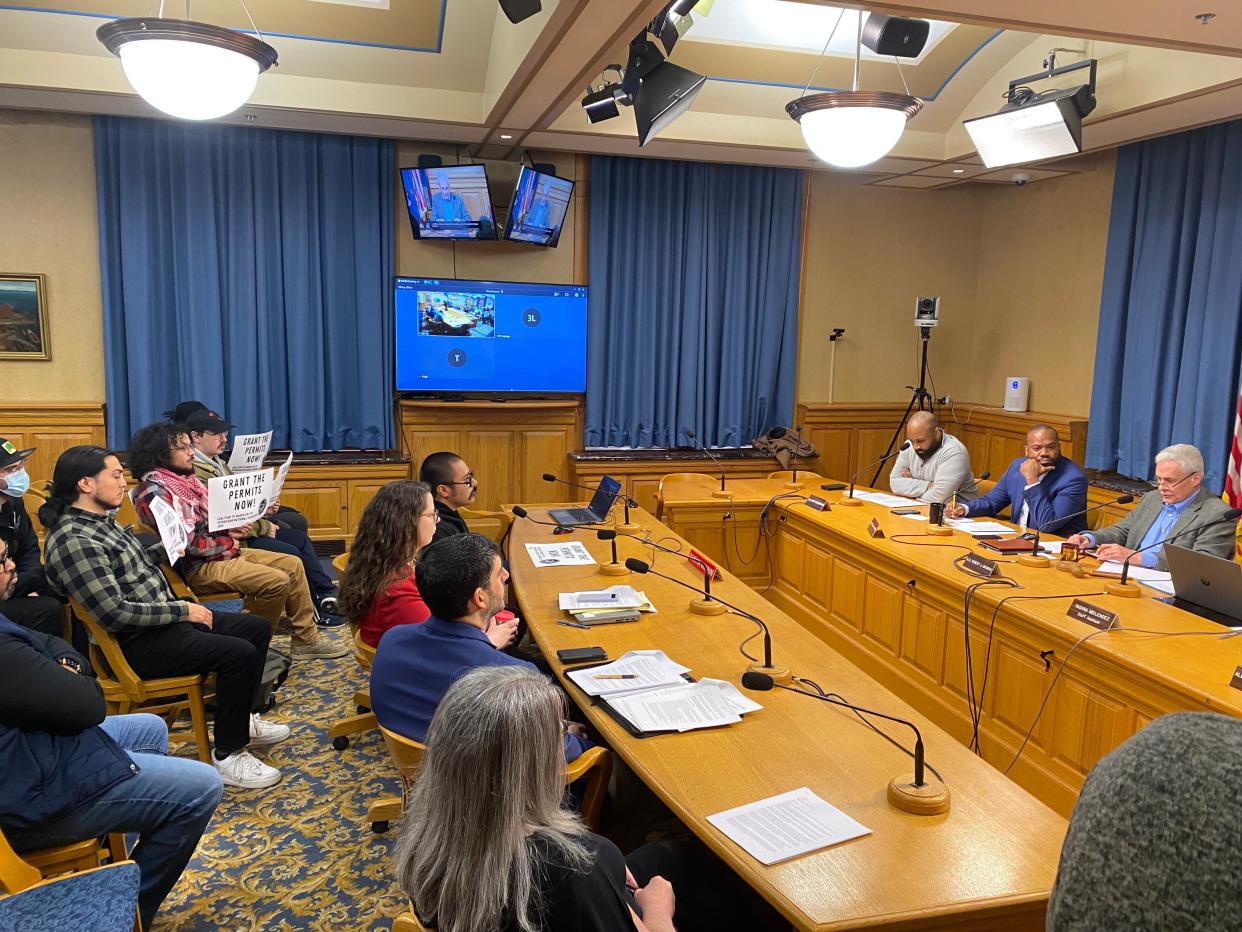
298 855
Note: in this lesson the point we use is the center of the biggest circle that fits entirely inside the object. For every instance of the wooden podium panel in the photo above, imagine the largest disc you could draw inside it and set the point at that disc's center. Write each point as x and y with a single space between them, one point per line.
986 864
894 607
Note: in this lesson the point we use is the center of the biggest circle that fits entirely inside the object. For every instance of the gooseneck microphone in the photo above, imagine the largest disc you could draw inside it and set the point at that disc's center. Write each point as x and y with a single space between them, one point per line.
1128 589
613 568
1034 559
721 493
521 512
921 797
773 674
548 477
850 499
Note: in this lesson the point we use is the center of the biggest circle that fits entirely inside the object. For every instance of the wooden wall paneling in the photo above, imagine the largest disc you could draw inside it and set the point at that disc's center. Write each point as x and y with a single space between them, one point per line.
51 428
324 501
640 476
923 632
536 449
882 613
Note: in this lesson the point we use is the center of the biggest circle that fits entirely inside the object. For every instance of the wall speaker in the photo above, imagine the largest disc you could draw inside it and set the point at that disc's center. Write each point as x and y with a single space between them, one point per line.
895 35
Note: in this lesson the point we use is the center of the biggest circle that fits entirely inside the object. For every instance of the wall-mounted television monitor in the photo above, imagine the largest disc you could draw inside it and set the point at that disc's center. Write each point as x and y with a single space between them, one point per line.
540 203
470 336
450 202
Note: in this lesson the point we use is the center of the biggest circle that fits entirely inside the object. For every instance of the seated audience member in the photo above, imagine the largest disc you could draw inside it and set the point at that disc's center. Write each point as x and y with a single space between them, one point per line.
1178 504
72 774
378 590
1152 843
454 486
507 855
272 583
209 435
1042 489
93 559
935 467
24 594
463 583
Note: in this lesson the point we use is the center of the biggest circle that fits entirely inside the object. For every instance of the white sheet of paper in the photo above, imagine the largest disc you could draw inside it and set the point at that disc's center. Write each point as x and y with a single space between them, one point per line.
172 531
786 826
979 528
1137 573
650 668
706 704
281 473
249 451
238 499
885 499
1160 585
570 554
595 600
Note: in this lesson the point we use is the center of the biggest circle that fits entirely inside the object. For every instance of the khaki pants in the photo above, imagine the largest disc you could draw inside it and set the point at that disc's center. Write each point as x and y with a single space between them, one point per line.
271 583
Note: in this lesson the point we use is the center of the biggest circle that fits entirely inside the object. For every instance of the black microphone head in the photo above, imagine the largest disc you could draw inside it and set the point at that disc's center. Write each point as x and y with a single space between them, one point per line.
636 566
1125 499
519 511
776 433
548 477
986 474
606 534
904 446
1233 514
690 433
760 682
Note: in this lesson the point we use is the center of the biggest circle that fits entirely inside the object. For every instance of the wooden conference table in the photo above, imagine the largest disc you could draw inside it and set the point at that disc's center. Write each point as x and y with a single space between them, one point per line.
894 607
987 863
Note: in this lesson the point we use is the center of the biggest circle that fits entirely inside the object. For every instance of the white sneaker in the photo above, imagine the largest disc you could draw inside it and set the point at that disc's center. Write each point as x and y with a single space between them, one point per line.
262 732
243 769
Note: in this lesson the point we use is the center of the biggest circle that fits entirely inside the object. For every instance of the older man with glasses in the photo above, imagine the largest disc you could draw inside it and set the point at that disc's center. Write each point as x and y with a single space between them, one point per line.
1178 506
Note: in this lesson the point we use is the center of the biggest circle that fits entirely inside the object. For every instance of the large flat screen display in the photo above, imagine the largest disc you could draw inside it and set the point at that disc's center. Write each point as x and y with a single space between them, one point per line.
540 203
469 336
451 202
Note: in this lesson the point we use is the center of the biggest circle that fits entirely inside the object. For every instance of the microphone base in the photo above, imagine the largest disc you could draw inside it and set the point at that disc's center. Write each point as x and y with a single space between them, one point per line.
779 674
613 569
849 502
629 527
1035 561
1125 590
939 530
704 607
721 493
792 485
930 799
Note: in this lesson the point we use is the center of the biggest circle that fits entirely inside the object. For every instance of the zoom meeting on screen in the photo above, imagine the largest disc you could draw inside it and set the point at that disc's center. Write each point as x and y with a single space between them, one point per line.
459 336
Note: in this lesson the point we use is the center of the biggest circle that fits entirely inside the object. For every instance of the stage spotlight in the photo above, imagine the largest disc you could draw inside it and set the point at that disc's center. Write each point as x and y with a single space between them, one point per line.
601 103
1033 126
663 95
518 10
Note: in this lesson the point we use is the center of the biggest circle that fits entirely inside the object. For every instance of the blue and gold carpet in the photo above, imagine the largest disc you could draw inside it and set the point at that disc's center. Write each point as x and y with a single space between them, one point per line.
299 855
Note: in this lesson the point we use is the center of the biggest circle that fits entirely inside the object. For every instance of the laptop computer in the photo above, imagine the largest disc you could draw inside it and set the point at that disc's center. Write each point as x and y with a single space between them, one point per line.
594 513
1204 582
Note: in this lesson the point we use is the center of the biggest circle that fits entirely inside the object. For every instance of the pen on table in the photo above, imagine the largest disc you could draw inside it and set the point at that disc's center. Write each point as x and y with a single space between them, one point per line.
615 676
575 624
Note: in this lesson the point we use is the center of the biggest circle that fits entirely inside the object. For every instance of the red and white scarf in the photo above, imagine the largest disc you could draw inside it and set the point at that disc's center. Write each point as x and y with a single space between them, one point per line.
189 493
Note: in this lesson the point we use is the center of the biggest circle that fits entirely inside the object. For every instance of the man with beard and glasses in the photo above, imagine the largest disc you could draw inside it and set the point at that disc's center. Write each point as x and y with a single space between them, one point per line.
1041 489
935 467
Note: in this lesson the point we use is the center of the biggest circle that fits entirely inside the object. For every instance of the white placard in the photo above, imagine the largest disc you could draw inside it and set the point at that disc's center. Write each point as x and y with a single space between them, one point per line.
571 554
172 530
280 476
249 451
238 499
786 826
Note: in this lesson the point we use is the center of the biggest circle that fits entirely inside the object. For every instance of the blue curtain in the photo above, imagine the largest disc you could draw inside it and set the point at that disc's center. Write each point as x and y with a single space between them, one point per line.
693 309
1170 337
251 270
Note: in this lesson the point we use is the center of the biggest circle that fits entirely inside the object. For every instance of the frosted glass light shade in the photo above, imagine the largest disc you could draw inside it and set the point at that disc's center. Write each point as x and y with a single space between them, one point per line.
850 129
189 70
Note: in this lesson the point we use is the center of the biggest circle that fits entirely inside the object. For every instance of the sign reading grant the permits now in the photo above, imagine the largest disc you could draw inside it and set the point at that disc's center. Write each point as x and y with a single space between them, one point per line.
249 451
237 499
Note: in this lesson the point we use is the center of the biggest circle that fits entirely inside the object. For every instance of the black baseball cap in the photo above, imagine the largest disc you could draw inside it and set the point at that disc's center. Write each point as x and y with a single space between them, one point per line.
9 454
207 422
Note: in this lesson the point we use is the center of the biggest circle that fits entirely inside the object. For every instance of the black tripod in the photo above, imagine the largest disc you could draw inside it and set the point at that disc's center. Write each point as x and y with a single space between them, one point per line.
921 400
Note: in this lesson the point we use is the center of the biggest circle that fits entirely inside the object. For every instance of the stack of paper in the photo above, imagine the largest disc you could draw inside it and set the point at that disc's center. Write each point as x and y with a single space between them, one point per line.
706 704
978 528
1160 580
617 603
883 498
786 826
632 671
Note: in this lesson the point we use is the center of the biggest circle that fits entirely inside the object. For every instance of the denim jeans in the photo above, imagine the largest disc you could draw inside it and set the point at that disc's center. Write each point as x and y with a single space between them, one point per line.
168 803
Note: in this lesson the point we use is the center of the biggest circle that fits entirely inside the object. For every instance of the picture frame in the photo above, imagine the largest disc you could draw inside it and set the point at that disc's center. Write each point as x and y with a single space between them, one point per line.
23 317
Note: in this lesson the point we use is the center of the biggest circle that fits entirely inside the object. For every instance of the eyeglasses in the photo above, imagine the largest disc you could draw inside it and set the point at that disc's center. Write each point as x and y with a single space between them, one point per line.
433 515
1170 483
469 480
182 448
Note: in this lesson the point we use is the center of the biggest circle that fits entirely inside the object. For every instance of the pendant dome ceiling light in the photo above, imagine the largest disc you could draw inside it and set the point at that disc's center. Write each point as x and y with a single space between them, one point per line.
853 128
190 70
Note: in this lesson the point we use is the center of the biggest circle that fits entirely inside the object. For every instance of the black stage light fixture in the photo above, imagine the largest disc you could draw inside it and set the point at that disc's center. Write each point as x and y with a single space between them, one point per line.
1033 126
602 103
895 36
673 22
664 95
518 10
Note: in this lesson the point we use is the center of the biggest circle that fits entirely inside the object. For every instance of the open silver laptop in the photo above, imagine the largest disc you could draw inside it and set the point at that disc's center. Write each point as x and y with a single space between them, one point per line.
595 512
1201 579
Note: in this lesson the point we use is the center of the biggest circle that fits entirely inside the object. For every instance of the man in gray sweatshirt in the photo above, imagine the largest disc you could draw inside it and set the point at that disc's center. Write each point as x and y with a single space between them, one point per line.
935 467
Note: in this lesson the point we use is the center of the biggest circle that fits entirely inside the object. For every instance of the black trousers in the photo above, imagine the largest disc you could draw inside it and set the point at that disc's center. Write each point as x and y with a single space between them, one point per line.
234 649
292 518
296 544
36 612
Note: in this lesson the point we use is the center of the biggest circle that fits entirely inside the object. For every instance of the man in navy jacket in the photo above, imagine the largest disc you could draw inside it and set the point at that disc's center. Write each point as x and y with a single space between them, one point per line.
1043 490
70 773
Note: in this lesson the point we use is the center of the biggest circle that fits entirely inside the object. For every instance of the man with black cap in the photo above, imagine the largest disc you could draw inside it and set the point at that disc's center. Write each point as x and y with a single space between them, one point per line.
209 434
24 593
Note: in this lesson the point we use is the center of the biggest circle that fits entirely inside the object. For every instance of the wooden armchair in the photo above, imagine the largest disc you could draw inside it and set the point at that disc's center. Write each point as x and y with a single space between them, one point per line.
492 524
786 475
694 479
20 872
124 691
340 730
407 922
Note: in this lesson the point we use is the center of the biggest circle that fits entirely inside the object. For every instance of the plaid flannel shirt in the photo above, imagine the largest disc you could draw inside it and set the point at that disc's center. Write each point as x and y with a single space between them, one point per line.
93 559
203 546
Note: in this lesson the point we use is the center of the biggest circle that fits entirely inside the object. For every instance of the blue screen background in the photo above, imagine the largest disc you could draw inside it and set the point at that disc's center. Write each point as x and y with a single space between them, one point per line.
549 356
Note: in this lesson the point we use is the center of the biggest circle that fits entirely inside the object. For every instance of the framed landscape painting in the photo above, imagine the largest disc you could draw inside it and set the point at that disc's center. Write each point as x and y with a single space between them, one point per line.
23 317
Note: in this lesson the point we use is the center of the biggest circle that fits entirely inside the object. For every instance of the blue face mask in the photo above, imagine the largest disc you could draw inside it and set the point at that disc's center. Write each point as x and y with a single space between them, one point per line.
17 484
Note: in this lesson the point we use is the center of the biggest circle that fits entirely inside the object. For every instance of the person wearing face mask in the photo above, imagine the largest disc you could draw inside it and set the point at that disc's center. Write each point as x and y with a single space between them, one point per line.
935 467
25 597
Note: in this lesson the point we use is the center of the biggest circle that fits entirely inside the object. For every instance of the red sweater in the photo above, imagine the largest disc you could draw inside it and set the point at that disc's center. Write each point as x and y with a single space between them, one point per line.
398 604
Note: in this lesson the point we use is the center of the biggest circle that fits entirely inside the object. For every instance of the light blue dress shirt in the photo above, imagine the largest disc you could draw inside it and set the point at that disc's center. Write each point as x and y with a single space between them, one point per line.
1161 528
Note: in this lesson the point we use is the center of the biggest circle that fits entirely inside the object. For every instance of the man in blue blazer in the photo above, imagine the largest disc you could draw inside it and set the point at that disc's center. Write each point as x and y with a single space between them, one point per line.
1043 490
462 580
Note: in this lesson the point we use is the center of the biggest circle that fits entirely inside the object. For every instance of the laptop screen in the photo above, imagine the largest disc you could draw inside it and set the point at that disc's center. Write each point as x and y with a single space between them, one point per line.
605 495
